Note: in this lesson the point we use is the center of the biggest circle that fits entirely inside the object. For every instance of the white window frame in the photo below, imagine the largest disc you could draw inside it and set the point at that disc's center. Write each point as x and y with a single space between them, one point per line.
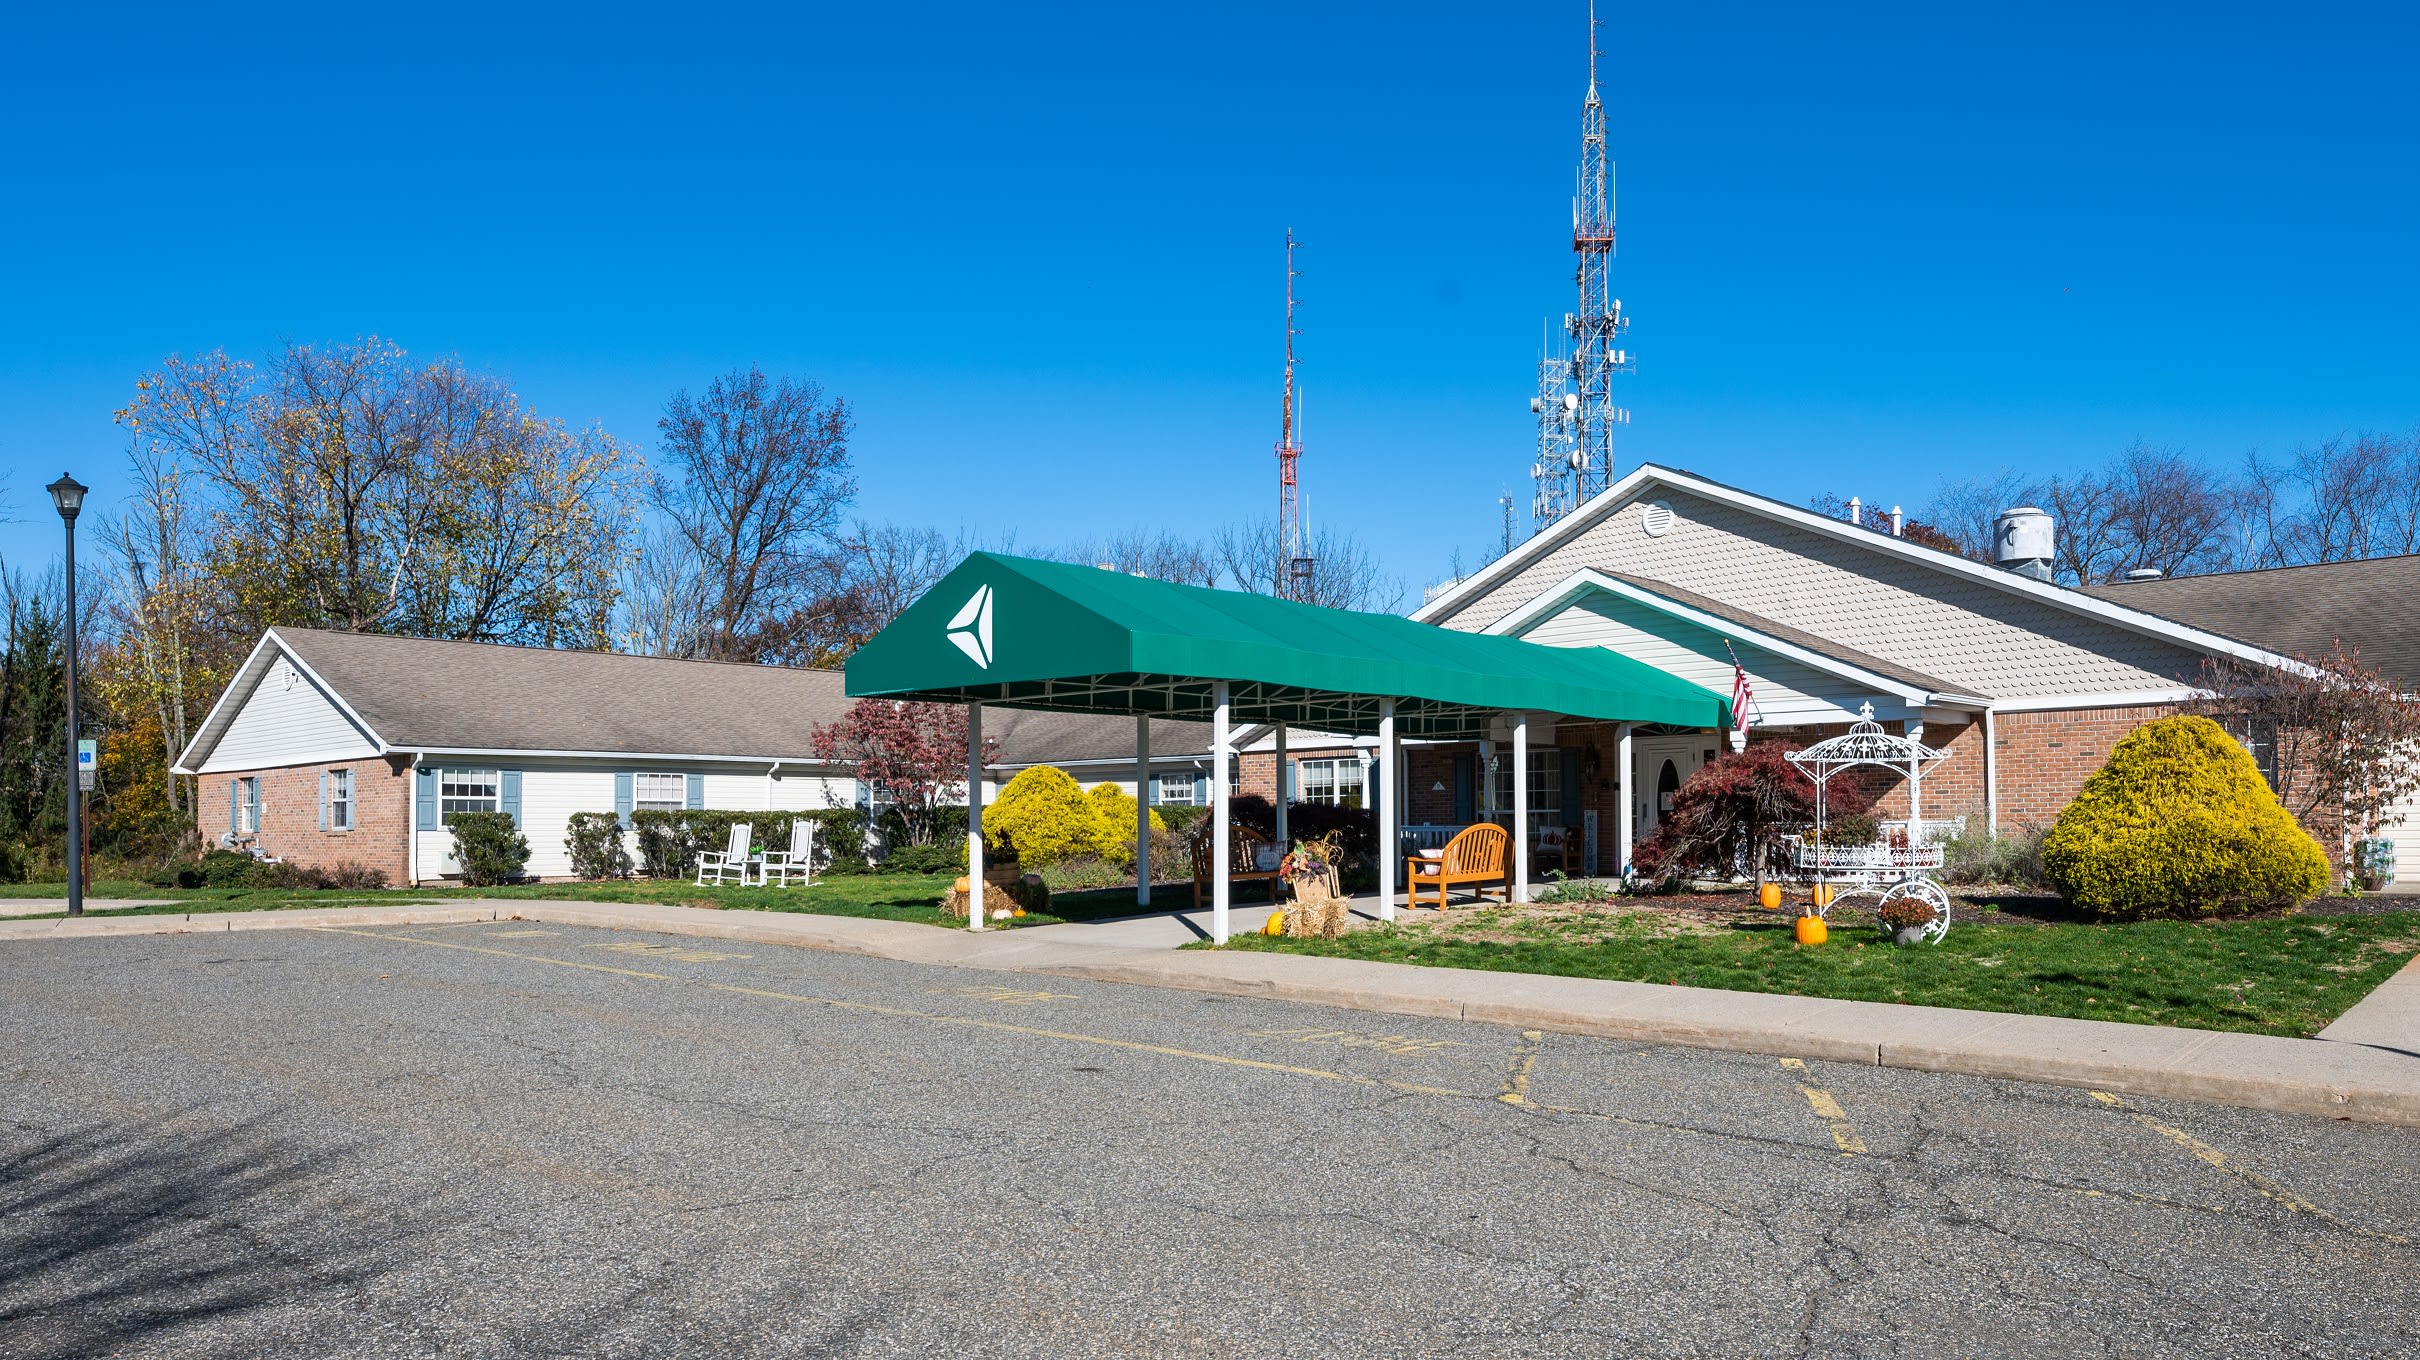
643 779
449 803
1175 790
247 806
1545 784
340 800
1324 781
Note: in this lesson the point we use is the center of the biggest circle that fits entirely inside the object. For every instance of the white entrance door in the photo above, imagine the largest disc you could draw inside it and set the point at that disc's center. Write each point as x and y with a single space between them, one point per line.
1664 764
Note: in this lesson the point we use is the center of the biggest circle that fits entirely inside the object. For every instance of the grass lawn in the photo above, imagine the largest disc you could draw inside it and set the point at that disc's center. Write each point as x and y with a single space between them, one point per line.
2287 975
893 897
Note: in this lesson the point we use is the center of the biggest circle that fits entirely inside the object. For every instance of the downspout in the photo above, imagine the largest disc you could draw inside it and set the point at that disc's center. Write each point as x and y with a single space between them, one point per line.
411 820
1991 774
771 772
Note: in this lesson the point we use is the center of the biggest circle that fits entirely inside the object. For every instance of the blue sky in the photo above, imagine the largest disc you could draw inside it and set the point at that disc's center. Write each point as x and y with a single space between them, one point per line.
1040 247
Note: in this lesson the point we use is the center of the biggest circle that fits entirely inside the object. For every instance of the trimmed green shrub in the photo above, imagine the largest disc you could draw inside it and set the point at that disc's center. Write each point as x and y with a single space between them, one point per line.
598 847
938 858
489 847
229 869
669 840
2180 823
1045 814
1178 816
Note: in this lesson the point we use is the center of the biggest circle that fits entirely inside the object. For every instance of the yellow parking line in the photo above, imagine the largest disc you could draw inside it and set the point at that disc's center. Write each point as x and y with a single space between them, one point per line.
1844 1134
1516 1077
2291 1202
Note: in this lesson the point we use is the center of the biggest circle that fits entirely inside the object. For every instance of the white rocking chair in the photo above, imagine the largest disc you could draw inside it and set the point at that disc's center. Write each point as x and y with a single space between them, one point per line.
729 864
796 864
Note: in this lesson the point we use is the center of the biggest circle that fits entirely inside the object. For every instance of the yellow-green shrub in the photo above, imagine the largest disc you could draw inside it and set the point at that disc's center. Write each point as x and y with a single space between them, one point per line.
2180 823
1045 814
1116 807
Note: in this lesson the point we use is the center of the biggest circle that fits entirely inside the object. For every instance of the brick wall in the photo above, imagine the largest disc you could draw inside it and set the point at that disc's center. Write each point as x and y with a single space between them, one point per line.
2046 757
382 815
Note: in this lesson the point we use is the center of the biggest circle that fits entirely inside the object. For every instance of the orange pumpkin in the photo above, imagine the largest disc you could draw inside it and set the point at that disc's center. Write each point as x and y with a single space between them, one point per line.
962 885
1769 896
1812 930
1823 894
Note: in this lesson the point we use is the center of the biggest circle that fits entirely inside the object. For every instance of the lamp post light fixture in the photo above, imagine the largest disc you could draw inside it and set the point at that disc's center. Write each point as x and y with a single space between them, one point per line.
68 495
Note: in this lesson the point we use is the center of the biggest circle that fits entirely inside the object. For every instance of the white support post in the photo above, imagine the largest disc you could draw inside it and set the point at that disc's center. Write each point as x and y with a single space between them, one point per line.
1390 814
1628 812
1285 789
1915 788
974 816
1142 810
1220 838
1520 808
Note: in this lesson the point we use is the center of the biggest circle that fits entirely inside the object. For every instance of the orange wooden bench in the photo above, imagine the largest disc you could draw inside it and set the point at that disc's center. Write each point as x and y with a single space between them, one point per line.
1474 856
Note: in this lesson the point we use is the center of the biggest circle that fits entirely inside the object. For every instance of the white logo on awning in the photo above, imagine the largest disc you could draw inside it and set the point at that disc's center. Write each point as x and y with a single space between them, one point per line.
971 629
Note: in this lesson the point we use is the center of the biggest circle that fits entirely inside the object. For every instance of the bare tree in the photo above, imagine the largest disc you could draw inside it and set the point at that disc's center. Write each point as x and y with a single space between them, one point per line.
2168 513
1345 574
754 476
662 597
1162 556
1967 511
2340 499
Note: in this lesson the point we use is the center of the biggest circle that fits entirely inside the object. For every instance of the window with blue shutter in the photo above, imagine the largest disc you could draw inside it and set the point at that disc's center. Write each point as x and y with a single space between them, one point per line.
509 798
323 800
622 796
697 792
1571 787
1465 787
424 799
235 789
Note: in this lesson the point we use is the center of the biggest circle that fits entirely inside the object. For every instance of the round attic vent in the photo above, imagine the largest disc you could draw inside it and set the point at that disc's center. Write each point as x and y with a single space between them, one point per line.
1655 519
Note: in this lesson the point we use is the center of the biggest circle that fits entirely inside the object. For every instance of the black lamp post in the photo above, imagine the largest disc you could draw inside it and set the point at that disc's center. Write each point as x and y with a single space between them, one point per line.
68 494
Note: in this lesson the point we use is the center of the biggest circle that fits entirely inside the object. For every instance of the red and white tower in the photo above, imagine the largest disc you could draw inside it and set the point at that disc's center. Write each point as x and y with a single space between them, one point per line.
1293 575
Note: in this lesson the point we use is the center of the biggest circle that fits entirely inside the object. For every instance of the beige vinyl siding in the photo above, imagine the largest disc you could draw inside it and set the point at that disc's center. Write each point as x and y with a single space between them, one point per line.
286 720
793 792
1788 692
548 798
743 792
1936 621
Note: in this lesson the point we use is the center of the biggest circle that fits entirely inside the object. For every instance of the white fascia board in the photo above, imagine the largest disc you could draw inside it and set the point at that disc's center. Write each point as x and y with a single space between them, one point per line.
676 757
1581 582
247 679
2139 698
331 756
1597 507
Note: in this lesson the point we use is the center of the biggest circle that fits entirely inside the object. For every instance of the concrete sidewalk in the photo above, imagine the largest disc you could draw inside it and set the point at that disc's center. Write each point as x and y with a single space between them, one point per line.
2365 1066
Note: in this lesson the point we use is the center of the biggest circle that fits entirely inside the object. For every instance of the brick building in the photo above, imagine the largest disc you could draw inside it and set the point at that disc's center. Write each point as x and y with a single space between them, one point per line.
2024 683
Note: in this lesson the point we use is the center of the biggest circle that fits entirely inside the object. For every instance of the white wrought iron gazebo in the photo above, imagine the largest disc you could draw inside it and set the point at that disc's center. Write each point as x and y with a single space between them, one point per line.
1894 866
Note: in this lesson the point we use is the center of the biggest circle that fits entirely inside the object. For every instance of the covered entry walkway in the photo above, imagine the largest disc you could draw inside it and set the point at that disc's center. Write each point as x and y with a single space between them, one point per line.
1015 632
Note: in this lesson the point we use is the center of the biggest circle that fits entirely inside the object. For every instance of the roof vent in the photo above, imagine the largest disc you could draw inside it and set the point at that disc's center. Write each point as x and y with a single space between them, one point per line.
1655 519
2024 540
2145 574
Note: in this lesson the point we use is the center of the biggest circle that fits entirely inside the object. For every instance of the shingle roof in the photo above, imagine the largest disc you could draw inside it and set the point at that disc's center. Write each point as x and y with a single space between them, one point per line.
422 693
1795 636
2299 610
427 694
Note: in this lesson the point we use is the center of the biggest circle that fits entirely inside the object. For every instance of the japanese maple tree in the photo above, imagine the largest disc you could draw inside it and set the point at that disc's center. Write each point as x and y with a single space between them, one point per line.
910 757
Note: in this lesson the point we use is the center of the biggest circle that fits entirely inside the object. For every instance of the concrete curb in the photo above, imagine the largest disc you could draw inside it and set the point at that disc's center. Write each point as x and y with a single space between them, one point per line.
2369 1072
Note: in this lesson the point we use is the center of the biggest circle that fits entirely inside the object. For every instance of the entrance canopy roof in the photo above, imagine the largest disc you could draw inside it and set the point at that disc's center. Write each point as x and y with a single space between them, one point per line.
1023 633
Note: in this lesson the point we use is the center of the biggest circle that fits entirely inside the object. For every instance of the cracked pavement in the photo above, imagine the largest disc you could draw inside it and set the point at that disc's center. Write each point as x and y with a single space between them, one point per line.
491 1140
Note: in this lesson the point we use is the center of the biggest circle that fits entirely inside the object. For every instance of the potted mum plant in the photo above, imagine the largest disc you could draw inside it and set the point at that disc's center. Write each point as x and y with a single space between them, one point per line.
1905 918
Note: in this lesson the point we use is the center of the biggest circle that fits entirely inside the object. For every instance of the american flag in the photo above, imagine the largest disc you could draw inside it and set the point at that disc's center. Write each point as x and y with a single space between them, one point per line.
1741 693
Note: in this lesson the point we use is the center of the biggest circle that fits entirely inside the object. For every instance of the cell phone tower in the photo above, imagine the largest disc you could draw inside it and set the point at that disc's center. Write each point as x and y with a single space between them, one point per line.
1556 473
1293 576
1596 328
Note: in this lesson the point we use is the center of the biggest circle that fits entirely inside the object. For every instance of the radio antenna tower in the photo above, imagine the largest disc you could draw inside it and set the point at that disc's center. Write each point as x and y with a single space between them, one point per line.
1293 579
1596 328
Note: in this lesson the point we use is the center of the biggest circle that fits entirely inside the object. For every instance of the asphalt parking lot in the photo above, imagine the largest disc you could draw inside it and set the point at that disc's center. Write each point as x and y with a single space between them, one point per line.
510 1139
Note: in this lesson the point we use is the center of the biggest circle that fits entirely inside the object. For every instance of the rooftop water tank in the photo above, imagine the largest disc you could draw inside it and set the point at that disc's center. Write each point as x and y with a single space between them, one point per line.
2024 541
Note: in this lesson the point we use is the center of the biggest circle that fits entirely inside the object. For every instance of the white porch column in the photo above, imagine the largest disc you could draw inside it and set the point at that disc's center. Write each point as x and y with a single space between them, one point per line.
1390 812
1219 837
974 816
1520 808
1628 812
1142 810
1285 790
1915 788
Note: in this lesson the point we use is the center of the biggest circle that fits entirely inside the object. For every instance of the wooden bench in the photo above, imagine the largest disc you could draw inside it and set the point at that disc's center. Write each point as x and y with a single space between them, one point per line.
1554 845
1243 859
1476 856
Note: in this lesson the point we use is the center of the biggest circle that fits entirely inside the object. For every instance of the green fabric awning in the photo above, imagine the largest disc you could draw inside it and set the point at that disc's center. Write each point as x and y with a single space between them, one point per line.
1023 633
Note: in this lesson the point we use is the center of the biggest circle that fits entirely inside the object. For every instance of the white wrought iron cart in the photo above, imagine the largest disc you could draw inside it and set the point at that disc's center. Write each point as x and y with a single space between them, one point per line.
1898 865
